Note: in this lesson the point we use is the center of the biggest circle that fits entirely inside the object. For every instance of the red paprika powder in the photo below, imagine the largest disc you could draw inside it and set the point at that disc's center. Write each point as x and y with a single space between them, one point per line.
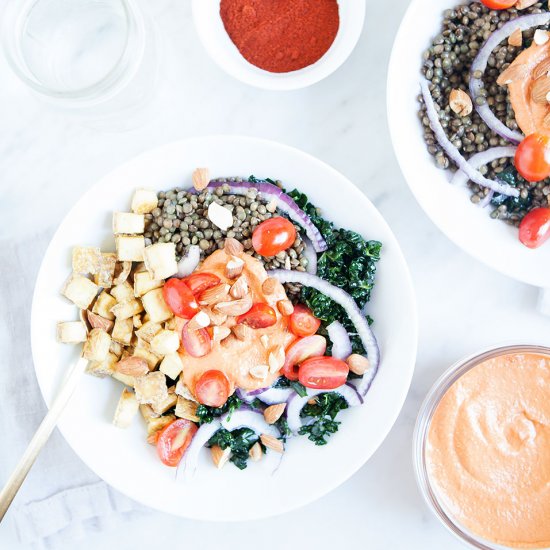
281 35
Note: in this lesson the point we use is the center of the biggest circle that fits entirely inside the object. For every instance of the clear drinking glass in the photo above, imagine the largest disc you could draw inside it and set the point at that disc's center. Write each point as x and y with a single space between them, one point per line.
96 58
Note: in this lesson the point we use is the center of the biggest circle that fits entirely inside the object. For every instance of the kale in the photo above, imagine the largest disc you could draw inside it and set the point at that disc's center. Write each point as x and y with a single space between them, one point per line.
286 383
322 414
513 204
207 414
282 426
240 441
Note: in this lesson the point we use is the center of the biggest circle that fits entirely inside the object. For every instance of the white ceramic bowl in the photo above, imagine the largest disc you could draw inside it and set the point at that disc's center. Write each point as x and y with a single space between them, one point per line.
122 457
469 226
209 25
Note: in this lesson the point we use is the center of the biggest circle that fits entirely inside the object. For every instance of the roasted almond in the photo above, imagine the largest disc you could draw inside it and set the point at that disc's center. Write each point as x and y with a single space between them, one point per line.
285 307
239 288
460 102
132 366
96 321
242 332
200 320
259 372
272 443
234 267
213 295
220 333
233 247
542 69
220 456
358 364
540 90
236 307
524 4
276 359
270 285
216 318
513 73
200 178
274 412
255 452
516 38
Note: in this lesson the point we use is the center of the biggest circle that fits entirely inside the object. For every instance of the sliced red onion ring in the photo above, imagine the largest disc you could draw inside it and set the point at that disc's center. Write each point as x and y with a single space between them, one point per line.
297 403
480 64
311 256
188 465
454 153
480 159
189 262
248 419
342 298
274 396
248 397
364 383
341 344
487 199
269 192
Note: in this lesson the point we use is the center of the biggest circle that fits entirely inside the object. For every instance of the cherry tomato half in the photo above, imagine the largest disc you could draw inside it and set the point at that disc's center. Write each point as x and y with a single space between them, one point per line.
534 229
260 315
323 373
212 388
302 322
173 440
499 4
532 157
199 282
179 298
300 350
273 236
197 343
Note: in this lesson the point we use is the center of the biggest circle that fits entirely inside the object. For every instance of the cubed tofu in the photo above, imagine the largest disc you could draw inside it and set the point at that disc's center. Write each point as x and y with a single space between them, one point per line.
86 259
160 260
103 305
155 425
167 403
97 346
122 272
126 409
123 292
124 378
151 358
129 248
155 306
143 283
151 389
123 331
126 310
137 322
185 408
148 330
104 368
116 348
183 390
147 413
80 291
171 324
125 222
165 342
71 332
171 365
106 271
144 201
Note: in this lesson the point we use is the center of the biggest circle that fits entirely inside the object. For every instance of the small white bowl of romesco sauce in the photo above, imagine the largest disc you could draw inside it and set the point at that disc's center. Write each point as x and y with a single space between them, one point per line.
279 44
482 448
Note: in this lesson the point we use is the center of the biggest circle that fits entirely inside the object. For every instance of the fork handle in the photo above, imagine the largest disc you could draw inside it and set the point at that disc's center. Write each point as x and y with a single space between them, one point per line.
40 437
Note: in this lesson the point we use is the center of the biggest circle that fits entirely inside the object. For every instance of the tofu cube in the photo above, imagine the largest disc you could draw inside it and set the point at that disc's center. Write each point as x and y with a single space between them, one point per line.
171 365
129 248
126 310
125 222
116 348
143 283
166 404
126 409
148 355
96 347
86 259
71 332
151 389
156 424
183 390
122 272
123 331
80 290
106 270
147 413
144 201
155 306
137 322
148 330
123 292
101 369
103 305
160 260
186 409
124 378
165 342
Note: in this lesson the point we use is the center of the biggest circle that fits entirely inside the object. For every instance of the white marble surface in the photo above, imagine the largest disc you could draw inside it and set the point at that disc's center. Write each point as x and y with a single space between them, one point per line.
47 161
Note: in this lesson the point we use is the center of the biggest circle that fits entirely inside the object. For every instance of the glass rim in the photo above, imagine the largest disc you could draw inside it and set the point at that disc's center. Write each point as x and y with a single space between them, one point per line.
125 67
423 423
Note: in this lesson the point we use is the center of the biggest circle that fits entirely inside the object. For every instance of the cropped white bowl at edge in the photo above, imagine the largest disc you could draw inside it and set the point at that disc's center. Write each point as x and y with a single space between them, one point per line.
469 226
216 41
122 457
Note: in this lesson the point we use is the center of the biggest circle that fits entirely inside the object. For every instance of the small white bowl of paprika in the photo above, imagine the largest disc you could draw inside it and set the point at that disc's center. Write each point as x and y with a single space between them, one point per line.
279 44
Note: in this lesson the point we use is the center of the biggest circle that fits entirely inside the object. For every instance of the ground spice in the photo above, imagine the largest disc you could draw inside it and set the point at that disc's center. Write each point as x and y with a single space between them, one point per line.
281 36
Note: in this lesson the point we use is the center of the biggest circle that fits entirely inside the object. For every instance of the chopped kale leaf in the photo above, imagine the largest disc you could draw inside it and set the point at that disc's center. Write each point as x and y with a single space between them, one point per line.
322 417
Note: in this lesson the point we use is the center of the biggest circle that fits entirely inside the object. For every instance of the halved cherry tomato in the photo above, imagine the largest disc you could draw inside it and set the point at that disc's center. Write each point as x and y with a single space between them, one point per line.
300 350
323 373
173 440
273 236
302 322
499 4
260 315
199 282
534 229
532 156
197 343
212 388
179 298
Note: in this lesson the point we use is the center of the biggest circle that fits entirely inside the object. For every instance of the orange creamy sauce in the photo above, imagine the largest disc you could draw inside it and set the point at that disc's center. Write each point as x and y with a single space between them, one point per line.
488 450
231 356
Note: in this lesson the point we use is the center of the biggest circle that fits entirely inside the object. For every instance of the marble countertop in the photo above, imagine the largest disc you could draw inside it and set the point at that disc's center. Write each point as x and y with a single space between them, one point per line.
48 160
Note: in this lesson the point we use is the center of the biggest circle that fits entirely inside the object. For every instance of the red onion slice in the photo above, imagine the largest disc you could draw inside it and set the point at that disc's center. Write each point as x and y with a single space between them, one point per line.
480 159
248 419
188 464
311 256
274 396
480 64
341 344
189 262
453 153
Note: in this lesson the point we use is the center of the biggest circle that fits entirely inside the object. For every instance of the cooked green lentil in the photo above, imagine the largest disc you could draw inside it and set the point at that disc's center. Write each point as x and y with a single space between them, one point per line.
446 64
